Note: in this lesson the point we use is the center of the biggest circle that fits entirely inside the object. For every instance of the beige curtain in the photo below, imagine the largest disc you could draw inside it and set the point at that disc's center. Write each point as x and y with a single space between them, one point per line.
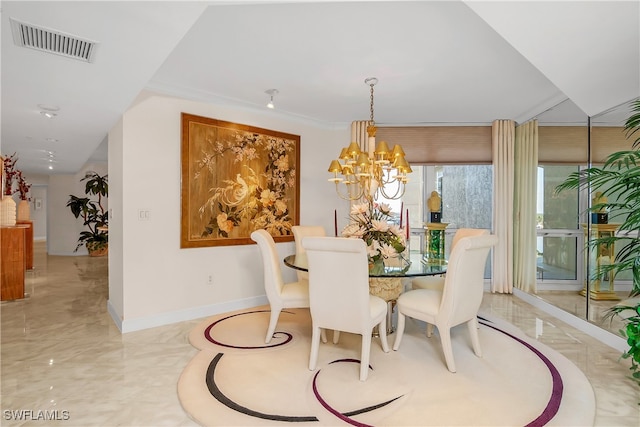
524 200
359 134
502 143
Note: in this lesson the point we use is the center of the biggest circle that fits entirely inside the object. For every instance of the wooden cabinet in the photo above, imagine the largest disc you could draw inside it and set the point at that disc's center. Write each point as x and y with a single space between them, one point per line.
28 242
12 262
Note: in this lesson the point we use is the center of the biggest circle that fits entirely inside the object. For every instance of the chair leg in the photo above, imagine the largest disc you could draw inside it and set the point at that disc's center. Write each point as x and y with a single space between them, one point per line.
445 339
429 330
336 336
323 335
382 333
475 340
364 356
399 331
273 321
315 346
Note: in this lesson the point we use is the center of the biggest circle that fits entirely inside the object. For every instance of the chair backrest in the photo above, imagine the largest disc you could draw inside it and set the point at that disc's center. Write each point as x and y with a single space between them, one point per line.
273 281
463 286
300 232
338 283
466 232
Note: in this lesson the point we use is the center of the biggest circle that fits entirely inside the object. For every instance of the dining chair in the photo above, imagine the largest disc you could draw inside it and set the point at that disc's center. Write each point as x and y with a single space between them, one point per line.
339 295
437 282
299 232
459 300
280 294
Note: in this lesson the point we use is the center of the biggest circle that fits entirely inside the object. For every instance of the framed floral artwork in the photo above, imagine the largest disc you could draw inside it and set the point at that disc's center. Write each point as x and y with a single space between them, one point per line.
237 179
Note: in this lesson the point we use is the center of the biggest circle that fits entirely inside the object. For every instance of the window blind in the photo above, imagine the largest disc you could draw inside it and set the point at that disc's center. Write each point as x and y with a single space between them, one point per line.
569 144
429 145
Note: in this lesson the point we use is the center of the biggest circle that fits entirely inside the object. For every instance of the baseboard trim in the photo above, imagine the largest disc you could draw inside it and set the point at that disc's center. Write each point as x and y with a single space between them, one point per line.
596 332
132 325
114 315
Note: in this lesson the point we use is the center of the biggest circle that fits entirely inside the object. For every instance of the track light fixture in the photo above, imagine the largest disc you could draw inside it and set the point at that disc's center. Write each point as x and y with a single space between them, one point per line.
271 93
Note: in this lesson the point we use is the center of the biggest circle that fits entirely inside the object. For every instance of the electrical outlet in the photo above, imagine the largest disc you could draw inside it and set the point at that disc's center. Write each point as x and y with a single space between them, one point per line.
210 279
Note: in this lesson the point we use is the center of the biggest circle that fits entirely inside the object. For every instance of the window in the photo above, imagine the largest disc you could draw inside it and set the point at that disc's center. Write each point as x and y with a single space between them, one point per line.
559 239
467 199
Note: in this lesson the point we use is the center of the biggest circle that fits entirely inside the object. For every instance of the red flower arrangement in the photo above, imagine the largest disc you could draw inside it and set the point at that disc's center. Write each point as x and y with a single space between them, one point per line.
9 163
23 186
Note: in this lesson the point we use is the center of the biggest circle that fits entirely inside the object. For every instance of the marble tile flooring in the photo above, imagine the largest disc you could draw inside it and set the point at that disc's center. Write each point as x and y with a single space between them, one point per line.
63 358
574 303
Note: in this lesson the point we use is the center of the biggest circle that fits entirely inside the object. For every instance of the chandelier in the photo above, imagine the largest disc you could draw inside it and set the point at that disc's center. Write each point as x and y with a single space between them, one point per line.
370 174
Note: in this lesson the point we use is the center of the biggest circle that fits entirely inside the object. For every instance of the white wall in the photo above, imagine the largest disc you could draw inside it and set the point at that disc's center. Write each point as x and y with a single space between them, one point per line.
63 229
116 299
152 280
39 216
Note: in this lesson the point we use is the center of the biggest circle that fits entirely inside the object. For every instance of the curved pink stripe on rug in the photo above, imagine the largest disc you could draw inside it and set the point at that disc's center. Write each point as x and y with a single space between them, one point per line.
557 388
346 416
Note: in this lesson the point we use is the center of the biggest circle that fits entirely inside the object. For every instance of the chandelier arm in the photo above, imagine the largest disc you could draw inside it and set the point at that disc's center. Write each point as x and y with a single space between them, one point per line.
399 192
349 197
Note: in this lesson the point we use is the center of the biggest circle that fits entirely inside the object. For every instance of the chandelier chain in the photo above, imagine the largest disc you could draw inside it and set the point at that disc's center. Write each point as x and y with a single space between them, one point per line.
373 123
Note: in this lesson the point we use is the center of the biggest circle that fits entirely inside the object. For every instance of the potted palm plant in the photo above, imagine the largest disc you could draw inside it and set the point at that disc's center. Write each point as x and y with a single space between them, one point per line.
93 213
619 177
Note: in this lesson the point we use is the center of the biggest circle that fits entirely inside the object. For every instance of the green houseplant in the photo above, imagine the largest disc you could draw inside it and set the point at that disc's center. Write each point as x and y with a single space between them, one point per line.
619 177
93 213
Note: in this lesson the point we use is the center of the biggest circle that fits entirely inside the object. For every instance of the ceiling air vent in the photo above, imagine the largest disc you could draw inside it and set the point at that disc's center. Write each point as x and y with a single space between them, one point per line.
52 41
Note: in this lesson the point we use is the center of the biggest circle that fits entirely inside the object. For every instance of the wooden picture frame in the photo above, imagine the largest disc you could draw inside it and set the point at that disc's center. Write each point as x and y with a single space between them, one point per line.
236 179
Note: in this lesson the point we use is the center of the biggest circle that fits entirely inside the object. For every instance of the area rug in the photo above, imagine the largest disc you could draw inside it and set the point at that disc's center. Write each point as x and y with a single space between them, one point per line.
237 379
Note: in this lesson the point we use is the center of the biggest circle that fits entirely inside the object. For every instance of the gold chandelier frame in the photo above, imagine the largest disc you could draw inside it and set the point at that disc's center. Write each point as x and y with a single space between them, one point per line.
379 171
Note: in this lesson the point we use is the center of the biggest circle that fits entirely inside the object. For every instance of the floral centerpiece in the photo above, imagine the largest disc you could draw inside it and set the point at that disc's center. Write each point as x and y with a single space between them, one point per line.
385 240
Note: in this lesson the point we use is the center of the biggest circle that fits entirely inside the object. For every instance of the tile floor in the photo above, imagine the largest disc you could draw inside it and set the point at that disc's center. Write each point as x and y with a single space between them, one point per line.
576 304
63 357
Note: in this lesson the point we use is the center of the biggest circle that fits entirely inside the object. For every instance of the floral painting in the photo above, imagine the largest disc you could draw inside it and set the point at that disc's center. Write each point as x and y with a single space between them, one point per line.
237 179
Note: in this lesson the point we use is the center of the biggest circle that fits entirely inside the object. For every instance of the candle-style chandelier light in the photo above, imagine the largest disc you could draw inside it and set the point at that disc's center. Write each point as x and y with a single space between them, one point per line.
370 174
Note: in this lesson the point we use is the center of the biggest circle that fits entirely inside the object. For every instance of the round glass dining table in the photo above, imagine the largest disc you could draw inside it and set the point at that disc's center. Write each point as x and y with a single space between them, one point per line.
419 266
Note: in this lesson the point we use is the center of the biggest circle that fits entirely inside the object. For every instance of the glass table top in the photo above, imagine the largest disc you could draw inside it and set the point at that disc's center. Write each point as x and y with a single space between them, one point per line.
418 266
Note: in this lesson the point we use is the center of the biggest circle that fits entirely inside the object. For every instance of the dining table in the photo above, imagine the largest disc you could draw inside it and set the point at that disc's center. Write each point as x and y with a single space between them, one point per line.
387 283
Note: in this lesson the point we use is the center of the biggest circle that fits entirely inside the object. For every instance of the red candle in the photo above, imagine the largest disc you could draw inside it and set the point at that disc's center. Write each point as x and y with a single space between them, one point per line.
401 209
335 222
407 226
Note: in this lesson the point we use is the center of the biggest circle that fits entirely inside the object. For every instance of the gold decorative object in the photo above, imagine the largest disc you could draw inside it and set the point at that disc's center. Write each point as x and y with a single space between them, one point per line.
369 174
602 288
434 250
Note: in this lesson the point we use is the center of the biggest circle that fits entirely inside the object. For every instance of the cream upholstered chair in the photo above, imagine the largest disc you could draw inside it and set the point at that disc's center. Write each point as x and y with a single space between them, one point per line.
280 295
300 231
459 300
339 295
437 282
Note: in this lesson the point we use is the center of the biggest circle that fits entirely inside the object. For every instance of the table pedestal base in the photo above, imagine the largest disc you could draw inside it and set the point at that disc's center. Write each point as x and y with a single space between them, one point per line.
389 289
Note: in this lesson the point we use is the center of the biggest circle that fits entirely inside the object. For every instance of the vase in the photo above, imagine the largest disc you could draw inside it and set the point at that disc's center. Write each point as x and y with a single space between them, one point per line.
24 211
97 249
8 211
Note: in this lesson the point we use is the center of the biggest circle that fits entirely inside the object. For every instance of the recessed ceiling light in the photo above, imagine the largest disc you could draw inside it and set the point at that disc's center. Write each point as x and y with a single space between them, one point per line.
48 114
50 166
